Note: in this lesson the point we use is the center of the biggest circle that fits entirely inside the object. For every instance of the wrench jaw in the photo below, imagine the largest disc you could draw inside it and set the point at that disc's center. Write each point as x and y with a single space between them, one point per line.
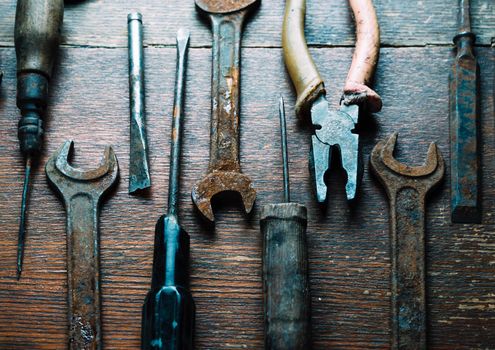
217 182
394 174
63 176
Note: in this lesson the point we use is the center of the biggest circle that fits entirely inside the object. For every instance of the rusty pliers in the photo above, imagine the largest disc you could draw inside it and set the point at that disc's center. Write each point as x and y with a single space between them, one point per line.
334 130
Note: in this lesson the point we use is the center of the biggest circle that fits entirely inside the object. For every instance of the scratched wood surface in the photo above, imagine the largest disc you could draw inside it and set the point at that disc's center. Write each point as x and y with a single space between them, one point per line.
348 246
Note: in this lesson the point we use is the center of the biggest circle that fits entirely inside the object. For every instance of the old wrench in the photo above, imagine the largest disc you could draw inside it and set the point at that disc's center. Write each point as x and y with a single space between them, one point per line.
82 193
406 188
224 170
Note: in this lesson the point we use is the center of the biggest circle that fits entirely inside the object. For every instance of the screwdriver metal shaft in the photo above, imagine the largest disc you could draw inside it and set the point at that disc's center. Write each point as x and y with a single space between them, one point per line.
285 267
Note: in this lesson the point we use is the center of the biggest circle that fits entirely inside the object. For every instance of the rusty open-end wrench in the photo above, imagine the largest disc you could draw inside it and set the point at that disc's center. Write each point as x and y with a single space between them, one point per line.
406 188
82 192
224 170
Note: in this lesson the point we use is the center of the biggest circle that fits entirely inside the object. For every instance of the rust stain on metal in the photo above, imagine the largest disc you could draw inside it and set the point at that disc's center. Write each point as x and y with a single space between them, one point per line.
224 6
464 126
82 192
407 188
224 170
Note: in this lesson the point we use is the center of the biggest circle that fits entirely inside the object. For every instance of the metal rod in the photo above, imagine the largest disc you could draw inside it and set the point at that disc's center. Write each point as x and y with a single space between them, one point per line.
464 16
173 192
139 176
22 222
285 153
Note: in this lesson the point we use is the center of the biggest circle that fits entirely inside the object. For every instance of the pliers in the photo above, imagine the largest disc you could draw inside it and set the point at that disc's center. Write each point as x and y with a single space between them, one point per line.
334 131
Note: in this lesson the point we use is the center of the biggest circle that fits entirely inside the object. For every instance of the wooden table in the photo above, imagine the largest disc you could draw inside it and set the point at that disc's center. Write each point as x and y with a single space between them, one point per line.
348 246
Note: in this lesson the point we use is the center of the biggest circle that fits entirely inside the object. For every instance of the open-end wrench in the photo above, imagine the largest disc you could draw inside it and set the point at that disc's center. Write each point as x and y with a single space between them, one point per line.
406 188
224 170
81 192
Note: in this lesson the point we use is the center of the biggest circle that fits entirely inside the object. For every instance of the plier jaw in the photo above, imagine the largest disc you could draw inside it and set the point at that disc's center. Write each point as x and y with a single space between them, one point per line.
334 133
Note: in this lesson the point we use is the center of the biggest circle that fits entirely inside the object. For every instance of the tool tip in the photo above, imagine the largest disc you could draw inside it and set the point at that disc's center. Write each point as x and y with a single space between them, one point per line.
134 16
183 34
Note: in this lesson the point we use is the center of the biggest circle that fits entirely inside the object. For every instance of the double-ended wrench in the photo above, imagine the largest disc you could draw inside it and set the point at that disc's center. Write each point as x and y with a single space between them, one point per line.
224 171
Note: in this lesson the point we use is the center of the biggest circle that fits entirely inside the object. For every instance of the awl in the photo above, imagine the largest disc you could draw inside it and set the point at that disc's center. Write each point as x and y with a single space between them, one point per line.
285 267
37 34
168 310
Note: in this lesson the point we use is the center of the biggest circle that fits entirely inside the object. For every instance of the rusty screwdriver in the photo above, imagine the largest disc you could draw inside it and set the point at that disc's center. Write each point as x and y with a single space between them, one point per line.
37 33
168 310
285 266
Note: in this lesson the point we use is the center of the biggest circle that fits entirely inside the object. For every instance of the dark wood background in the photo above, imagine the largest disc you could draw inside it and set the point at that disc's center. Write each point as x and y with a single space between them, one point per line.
348 246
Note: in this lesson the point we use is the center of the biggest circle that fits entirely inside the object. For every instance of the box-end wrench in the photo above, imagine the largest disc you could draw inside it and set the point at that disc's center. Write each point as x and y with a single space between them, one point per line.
224 171
81 192
406 188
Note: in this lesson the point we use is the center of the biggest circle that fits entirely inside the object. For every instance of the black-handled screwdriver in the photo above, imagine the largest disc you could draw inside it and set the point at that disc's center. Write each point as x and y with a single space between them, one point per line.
168 310
285 266
37 34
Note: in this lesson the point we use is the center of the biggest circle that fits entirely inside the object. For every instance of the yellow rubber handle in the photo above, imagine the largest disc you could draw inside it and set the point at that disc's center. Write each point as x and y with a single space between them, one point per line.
298 60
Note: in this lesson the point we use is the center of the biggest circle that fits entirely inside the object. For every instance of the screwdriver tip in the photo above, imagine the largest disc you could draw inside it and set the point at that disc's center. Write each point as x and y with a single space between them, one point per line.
183 34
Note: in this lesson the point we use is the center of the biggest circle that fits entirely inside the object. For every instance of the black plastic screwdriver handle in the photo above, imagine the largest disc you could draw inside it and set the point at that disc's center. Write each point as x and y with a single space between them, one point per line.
168 310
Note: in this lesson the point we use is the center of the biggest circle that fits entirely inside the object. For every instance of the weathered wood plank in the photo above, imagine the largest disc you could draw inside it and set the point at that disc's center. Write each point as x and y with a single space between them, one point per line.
403 23
348 247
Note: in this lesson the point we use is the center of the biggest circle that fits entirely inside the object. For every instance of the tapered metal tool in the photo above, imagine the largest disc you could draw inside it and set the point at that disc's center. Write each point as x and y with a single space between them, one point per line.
465 203
37 34
168 310
139 173
285 266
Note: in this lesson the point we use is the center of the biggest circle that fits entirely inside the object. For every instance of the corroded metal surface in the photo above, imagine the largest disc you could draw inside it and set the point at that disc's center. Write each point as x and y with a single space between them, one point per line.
465 203
224 6
139 173
224 170
82 192
406 188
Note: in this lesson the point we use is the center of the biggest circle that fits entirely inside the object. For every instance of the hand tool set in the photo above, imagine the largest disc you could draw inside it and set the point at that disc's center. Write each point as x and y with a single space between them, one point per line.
168 314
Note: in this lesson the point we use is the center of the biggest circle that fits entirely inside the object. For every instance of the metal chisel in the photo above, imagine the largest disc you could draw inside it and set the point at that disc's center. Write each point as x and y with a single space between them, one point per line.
464 126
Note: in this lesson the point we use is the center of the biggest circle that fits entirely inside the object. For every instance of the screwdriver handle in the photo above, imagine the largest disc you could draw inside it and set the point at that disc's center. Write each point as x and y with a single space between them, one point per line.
285 277
168 310
37 33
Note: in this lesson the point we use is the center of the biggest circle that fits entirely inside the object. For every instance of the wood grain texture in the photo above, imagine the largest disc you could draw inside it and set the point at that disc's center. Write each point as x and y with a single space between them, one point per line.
328 23
348 246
